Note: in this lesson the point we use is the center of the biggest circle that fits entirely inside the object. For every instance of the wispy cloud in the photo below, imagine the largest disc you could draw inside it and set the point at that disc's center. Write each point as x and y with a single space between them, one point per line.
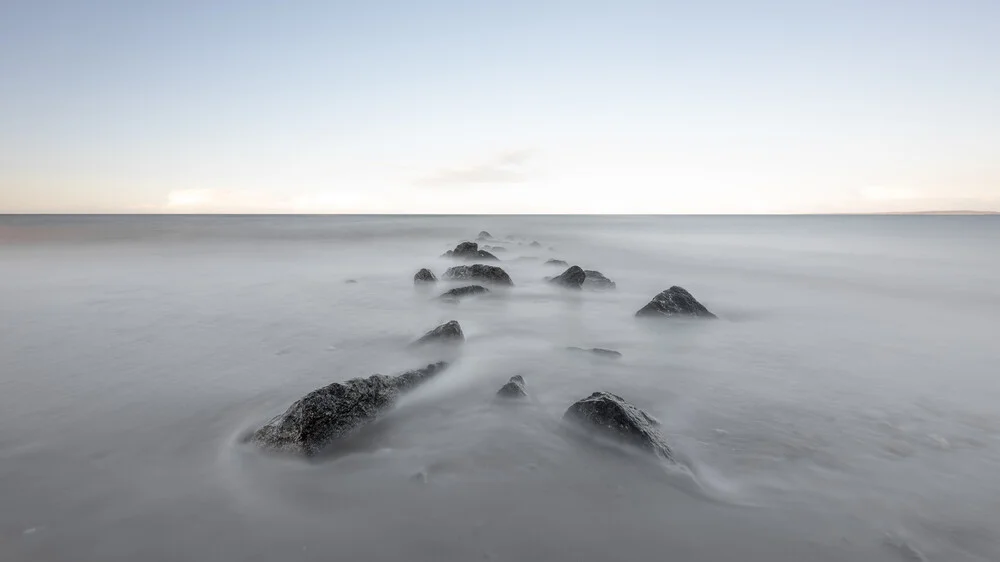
508 167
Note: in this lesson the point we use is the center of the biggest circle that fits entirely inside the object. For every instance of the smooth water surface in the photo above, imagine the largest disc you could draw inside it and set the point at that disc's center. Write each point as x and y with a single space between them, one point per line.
843 407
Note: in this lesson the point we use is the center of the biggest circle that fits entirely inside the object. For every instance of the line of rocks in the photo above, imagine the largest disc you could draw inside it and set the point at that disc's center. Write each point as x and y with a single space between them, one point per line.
338 410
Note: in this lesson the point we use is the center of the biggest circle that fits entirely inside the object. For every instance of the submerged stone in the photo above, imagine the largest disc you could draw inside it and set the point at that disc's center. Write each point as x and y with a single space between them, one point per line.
612 416
479 272
449 332
572 278
424 276
598 351
336 411
597 280
675 301
513 389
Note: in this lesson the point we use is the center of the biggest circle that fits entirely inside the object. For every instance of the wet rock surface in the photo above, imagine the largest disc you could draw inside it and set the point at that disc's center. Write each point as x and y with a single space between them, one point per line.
449 332
469 251
675 301
614 417
337 410
479 272
467 291
424 276
597 280
572 278
513 389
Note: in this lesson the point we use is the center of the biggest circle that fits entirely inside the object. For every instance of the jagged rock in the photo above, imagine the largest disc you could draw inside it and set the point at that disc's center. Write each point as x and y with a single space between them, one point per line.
479 272
571 278
556 262
469 251
598 351
675 301
614 417
483 235
457 293
424 276
449 332
336 411
597 280
513 389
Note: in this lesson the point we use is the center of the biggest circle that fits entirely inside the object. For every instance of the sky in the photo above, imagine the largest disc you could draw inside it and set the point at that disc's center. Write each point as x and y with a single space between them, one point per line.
475 106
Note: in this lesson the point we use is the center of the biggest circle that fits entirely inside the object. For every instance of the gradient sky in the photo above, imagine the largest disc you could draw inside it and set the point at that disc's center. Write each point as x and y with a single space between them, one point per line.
516 106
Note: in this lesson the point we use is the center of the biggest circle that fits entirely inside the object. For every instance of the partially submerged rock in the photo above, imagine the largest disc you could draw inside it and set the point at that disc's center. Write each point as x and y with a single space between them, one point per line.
535 245
610 353
495 248
479 272
513 389
556 262
597 280
483 235
469 251
459 292
335 411
449 332
612 416
675 301
424 276
572 278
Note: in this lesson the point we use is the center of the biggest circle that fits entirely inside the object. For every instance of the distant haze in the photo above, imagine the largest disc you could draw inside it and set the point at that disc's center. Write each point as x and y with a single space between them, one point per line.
722 106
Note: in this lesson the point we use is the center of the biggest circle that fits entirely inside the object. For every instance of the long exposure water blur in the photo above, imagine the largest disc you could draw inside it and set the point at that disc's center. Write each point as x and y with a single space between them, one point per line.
843 407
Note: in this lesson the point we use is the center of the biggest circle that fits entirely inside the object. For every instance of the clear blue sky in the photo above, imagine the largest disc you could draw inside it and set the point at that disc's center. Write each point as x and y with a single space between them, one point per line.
516 106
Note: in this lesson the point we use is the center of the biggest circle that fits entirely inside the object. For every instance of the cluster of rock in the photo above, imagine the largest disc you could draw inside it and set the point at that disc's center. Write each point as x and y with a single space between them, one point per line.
469 251
578 278
326 415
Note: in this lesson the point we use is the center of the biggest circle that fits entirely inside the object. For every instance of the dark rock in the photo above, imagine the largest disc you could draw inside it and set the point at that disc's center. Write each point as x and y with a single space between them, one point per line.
479 272
449 332
513 389
597 280
556 262
469 251
535 245
336 411
598 351
675 301
424 276
571 278
612 416
483 235
460 292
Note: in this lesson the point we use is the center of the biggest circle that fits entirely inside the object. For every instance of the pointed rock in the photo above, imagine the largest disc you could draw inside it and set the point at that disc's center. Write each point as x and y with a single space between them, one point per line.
449 332
675 301
513 389
335 411
424 276
572 278
612 416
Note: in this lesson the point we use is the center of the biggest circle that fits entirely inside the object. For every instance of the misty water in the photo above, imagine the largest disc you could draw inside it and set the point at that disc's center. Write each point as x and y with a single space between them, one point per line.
844 406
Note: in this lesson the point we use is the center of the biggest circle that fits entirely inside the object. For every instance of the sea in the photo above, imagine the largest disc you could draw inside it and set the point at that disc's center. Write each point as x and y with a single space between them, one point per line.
844 406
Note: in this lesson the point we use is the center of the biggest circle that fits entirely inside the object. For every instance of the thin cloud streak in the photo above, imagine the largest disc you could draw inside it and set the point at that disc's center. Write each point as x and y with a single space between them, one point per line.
508 167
